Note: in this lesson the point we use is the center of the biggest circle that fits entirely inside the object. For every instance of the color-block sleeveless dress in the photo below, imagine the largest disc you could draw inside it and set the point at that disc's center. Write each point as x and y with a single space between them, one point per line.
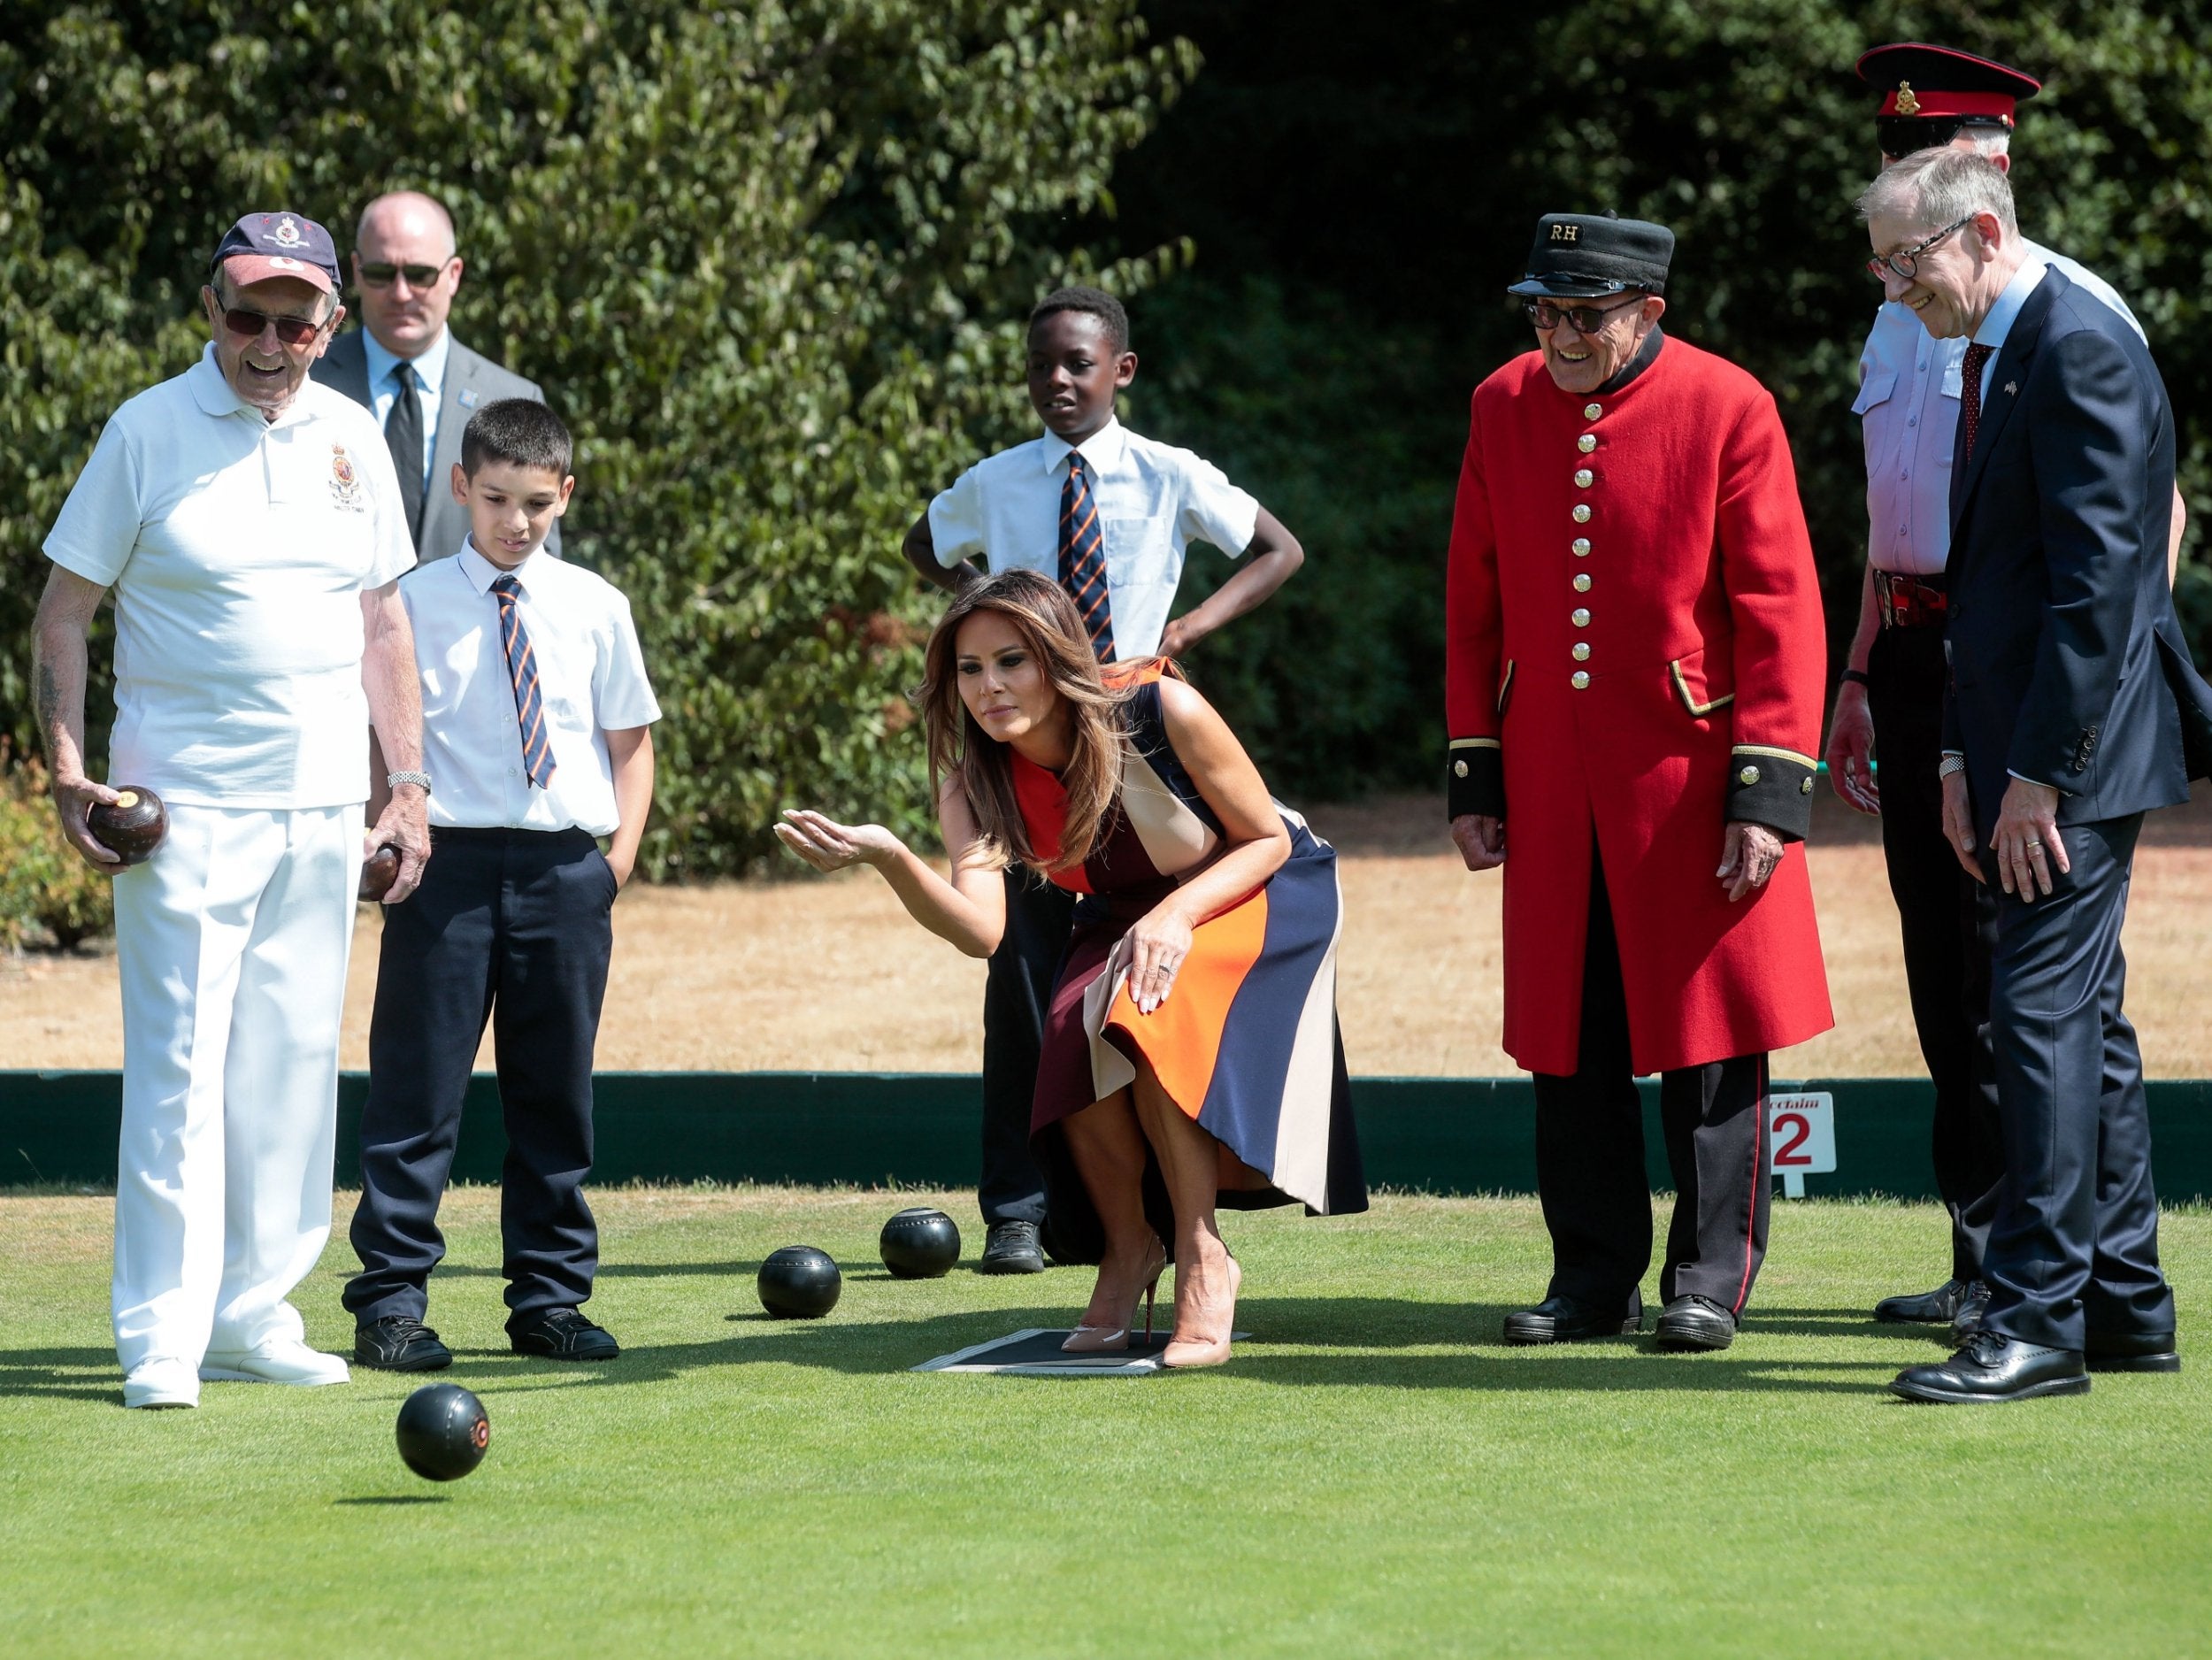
1246 1044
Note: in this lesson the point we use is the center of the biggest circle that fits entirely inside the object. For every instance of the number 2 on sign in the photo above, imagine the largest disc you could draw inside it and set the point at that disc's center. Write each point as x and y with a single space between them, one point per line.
1800 1138
1799 1128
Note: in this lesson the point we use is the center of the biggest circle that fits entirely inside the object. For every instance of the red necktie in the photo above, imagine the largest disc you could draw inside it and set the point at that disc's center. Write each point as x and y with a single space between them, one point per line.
1083 556
1970 399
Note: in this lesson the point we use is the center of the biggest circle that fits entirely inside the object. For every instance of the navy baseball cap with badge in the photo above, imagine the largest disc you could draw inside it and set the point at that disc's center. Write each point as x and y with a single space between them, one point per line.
1585 256
264 245
1935 91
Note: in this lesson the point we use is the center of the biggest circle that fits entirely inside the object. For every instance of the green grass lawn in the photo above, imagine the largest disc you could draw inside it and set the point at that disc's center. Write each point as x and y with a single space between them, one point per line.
1371 1474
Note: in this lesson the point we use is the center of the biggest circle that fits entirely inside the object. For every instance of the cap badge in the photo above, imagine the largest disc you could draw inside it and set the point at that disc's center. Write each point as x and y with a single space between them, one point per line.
2012 388
286 234
1565 233
1908 103
345 483
284 262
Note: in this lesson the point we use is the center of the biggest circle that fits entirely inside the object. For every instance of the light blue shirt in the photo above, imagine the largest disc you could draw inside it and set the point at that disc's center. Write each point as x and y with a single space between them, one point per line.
1909 386
383 367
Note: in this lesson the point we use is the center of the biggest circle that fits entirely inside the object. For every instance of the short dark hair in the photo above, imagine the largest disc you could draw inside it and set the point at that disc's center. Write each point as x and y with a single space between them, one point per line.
1094 302
519 431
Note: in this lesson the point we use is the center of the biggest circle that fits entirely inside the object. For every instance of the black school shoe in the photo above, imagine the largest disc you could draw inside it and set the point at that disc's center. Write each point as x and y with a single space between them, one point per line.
560 1334
1939 1307
1012 1248
2146 1351
1691 1322
1991 1367
1564 1319
399 1342
1968 1320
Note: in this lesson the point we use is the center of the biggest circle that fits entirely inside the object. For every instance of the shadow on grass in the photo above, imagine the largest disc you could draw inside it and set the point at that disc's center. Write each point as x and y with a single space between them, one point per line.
744 1271
57 1374
397 1498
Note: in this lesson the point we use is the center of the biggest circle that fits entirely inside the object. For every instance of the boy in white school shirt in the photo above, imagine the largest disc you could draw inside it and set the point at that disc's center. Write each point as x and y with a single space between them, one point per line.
1109 514
537 720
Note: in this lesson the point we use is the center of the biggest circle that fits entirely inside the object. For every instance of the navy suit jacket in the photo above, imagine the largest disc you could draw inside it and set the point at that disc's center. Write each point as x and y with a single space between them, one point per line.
2067 660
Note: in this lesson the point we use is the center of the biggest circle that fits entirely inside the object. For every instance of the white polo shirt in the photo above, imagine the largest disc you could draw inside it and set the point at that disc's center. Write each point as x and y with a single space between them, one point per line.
238 548
591 681
1154 500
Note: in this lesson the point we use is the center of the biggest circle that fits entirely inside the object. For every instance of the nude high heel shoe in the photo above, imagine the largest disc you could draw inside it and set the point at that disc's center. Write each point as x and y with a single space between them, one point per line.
1101 1340
1184 1353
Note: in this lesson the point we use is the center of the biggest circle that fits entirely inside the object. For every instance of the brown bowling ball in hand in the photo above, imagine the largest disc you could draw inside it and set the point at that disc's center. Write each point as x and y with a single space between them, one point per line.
131 826
379 872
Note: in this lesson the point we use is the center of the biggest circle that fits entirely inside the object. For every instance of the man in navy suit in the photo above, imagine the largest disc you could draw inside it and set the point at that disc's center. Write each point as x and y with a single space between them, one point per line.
2072 710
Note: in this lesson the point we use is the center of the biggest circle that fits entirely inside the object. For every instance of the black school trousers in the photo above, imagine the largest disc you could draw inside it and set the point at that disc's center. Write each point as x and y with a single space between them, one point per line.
510 926
1948 923
1590 1156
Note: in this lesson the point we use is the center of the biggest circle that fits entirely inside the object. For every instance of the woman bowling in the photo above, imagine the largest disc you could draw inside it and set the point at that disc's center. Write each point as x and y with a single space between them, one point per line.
1193 1027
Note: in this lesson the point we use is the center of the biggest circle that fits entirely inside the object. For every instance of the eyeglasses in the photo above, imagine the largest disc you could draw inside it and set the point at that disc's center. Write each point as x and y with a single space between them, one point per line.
247 324
1587 320
1904 264
381 274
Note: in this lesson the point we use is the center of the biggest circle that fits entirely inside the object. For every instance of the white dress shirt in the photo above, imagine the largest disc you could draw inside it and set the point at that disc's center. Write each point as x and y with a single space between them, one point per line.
1908 391
383 368
1154 500
591 681
238 548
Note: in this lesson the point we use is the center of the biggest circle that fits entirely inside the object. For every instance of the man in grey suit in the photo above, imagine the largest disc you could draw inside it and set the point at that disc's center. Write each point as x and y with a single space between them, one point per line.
407 267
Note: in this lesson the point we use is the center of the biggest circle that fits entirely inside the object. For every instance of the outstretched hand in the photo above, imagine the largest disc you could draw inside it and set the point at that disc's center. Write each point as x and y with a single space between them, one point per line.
829 846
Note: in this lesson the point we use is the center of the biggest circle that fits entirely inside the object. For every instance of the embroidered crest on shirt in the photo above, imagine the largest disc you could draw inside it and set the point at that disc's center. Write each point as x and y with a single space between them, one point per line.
345 483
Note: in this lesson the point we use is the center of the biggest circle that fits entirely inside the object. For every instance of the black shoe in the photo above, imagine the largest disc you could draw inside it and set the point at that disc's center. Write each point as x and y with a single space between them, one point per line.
1012 1248
561 1334
1694 1322
1563 1319
2146 1351
1939 1307
1991 1366
399 1342
1968 1320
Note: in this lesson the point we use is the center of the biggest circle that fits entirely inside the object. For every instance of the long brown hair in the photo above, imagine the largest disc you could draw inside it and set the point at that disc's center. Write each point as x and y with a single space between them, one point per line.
1052 632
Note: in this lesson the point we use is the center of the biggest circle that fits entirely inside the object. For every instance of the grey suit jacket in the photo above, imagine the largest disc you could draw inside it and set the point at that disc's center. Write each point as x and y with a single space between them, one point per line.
471 380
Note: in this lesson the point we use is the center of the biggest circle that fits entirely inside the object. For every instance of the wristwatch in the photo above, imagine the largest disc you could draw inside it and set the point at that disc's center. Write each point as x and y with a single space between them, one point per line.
393 780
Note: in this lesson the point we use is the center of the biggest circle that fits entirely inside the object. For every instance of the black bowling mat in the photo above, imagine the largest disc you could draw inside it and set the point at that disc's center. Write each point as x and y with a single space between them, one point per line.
1034 1353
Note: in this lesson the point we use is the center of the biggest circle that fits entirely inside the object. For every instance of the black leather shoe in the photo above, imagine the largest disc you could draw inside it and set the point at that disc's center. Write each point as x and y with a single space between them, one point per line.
399 1342
1968 1320
1939 1307
1990 1366
2144 1352
1563 1319
561 1334
1694 1322
1012 1248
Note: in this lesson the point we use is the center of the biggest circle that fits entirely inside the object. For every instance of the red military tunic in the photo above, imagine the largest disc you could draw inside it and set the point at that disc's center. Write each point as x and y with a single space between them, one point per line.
1634 652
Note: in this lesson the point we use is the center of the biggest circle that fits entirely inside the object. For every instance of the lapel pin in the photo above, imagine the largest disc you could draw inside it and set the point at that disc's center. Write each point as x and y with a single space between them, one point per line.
2011 387
468 396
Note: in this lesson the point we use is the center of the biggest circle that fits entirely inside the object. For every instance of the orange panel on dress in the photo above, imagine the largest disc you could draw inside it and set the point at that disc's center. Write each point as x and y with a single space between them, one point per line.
1182 1037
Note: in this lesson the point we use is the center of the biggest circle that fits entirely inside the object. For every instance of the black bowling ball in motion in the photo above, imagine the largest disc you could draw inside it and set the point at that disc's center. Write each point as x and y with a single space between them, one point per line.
443 1432
799 1283
920 1243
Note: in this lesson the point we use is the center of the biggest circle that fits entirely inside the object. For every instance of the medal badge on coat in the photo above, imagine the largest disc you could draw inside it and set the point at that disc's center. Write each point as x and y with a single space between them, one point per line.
345 483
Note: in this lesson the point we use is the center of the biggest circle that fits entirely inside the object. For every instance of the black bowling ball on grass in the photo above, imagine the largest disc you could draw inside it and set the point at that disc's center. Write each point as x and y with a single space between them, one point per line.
443 1432
799 1283
920 1243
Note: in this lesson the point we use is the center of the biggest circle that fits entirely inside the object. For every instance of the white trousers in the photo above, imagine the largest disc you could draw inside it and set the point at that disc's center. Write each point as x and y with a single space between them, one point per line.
232 941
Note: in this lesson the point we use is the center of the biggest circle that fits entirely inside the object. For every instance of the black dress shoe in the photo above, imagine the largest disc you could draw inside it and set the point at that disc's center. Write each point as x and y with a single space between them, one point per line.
1563 1319
1990 1366
1012 1248
1968 1320
1939 1307
2144 1351
1693 1322
399 1342
561 1334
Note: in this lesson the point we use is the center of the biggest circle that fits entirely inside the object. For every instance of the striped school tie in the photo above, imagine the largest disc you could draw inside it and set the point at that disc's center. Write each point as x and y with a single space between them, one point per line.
1083 556
522 670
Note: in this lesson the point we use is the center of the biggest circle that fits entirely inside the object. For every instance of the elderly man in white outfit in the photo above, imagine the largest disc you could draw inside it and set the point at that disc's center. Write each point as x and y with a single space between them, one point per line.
249 525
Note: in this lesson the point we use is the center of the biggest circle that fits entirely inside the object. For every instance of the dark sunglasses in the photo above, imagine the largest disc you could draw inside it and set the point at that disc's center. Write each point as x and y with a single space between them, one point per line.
1587 320
380 275
247 324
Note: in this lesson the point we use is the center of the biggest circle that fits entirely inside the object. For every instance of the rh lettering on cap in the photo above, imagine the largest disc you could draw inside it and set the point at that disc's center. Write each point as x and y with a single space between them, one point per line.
1566 233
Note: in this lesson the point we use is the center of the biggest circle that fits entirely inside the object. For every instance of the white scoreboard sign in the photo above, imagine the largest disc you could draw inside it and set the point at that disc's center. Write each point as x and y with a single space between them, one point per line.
1800 1138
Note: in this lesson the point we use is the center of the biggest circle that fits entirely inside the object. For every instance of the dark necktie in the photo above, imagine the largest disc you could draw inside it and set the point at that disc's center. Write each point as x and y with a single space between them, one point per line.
403 436
522 669
1970 399
1083 556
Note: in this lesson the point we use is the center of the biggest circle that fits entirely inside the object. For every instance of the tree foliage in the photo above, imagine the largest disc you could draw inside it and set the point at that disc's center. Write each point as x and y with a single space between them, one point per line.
768 261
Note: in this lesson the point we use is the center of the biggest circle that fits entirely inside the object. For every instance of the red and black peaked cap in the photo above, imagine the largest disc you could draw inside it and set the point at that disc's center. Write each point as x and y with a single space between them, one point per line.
1927 82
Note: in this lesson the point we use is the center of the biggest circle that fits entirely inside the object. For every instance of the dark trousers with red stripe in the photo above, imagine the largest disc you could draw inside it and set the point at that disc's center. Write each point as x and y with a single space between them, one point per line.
1590 1156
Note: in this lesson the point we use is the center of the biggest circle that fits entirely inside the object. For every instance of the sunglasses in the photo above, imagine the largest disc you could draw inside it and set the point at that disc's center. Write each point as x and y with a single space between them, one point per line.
1587 320
381 274
247 324
1904 264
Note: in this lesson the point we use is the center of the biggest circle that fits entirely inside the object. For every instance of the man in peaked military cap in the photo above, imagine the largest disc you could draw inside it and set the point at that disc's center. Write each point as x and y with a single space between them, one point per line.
1909 391
1634 659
